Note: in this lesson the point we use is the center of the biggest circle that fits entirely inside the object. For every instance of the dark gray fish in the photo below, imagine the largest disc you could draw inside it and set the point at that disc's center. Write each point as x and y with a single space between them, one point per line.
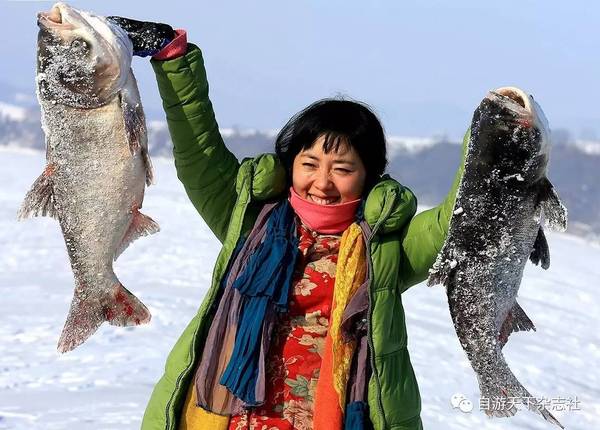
97 162
503 200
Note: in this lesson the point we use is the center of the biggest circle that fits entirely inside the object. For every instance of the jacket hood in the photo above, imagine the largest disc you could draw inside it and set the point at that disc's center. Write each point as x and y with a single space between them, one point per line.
389 203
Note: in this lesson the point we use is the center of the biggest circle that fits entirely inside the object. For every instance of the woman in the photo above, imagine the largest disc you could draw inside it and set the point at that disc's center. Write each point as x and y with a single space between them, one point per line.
303 326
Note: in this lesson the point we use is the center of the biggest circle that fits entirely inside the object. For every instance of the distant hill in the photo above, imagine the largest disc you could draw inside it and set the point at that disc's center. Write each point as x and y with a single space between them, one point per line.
425 165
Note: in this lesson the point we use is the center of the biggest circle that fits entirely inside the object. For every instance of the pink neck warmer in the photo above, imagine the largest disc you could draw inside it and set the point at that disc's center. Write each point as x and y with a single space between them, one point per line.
328 219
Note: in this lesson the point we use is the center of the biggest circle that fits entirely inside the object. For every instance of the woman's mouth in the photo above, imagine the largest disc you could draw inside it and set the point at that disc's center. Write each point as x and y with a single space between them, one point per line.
323 201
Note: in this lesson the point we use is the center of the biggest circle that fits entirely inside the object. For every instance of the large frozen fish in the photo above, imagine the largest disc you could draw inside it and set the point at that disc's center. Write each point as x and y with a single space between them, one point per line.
496 227
97 162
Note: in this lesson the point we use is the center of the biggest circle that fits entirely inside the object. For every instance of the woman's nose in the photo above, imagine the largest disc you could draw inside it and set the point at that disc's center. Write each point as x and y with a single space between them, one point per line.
323 180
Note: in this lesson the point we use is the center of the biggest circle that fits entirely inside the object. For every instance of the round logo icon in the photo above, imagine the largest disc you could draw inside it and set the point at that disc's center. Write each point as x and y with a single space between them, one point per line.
459 401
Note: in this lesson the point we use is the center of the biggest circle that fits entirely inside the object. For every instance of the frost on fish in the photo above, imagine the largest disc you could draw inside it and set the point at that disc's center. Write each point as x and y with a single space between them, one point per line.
97 162
495 228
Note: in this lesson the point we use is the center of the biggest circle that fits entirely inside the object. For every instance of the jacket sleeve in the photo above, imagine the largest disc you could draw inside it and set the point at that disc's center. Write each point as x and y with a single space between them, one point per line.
207 169
423 238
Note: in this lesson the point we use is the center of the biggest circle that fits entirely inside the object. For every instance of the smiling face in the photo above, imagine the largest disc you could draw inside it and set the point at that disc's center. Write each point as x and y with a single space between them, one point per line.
328 178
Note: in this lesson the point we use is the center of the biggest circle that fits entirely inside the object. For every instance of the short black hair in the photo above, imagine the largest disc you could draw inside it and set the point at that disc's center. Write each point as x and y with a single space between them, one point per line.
339 121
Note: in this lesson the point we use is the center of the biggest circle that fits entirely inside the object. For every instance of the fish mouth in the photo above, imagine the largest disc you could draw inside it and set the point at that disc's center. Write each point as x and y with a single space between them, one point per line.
518 104
513 98
55 18
516 95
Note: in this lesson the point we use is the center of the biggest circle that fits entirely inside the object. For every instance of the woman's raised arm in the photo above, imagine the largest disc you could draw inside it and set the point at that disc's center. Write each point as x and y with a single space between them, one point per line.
424 236
204 165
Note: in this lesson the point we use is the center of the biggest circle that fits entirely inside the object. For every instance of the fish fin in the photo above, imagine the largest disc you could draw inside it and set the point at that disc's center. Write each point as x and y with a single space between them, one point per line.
135 128
140 225
39 200
87 314
441 271
148 166
133 117
540 252
516 320
555 213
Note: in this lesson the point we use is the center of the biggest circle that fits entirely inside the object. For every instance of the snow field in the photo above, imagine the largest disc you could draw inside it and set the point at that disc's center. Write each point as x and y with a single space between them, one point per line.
105 383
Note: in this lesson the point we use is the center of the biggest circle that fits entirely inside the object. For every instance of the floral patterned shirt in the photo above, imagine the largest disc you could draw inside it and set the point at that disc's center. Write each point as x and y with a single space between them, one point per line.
298 340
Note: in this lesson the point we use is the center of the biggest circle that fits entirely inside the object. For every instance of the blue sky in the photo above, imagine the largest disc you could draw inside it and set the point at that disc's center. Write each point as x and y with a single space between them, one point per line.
422 65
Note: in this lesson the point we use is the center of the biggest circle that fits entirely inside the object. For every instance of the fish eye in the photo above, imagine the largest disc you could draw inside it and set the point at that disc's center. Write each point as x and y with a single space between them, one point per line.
79 45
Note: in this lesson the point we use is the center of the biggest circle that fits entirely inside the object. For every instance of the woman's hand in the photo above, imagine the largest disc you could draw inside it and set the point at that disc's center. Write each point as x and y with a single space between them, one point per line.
148 38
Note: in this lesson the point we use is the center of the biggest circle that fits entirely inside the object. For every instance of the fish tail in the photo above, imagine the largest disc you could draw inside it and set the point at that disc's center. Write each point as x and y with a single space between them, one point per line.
120 307
126 309
501 401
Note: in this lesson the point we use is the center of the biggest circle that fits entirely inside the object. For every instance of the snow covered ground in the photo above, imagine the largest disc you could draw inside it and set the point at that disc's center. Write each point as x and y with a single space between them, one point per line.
105 383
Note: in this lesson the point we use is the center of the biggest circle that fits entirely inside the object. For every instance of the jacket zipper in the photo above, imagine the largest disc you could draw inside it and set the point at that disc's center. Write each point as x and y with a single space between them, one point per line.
383 217
180 377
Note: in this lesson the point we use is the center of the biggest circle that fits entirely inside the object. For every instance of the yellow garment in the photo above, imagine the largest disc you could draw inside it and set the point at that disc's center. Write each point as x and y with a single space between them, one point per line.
349 276
330 394
196 418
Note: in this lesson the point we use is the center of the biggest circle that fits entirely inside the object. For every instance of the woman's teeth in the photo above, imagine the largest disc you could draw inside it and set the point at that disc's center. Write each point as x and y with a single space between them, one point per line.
323 201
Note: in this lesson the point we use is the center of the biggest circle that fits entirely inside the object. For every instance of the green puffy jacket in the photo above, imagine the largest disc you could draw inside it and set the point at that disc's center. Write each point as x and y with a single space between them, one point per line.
229 195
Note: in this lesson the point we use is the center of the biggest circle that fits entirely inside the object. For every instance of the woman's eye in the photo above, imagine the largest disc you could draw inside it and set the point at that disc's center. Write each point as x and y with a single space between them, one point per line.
309 165
344 171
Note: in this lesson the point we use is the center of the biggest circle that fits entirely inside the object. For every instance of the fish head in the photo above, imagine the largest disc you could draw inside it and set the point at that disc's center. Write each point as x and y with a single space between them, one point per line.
83 59
517 133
